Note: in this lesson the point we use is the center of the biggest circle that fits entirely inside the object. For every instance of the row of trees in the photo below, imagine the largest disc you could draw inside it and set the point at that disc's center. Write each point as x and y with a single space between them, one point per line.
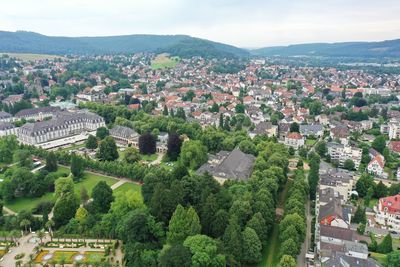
292 228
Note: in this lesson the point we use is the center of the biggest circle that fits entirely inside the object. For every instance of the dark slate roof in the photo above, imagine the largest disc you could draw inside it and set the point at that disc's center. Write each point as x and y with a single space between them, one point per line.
337 232
4 115
235 165
122 131
34 111
6 125
262 127
331 208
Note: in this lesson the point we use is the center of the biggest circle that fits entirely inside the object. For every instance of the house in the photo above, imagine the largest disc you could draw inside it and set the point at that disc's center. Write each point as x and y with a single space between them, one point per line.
340 180
227 165
377 164
333 214
388 211
394 146
340 133
266 128
316 130
12 99
294 140
340 153
124 135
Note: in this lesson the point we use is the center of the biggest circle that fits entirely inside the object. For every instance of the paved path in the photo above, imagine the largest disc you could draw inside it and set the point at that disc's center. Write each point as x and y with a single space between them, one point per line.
10 212
158 160
301 258
24 247
38 168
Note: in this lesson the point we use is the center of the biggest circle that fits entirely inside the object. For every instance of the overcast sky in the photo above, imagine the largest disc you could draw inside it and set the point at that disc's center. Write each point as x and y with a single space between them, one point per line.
244 23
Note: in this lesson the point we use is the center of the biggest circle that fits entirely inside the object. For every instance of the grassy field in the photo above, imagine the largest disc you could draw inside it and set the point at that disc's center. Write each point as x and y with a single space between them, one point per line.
310 142
32 57
381 258
128 187
149 158
163 61
88 181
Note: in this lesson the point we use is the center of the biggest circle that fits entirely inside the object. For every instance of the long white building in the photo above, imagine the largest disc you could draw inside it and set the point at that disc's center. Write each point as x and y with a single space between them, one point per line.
62 125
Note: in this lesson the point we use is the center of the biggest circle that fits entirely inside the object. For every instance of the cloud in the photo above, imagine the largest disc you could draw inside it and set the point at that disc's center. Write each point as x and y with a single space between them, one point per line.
250 23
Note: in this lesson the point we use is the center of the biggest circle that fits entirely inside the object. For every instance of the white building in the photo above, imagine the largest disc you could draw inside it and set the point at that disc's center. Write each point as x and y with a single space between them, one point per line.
63 125
294 140
341 153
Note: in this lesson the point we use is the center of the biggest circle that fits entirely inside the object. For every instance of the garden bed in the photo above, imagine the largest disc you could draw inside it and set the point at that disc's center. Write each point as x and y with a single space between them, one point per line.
57 244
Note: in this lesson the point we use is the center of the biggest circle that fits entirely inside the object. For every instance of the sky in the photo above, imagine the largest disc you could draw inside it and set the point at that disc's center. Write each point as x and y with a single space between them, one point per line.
243 23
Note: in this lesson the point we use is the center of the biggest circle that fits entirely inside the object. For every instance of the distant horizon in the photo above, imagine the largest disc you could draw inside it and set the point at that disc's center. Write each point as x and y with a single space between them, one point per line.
246 48
253 23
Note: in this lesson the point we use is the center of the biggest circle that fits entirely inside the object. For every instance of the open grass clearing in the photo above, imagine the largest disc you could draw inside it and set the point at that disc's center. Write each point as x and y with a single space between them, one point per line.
163 61
127 187
32 57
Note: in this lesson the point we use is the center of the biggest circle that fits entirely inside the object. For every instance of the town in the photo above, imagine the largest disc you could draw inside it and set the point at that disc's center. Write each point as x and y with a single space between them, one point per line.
137 159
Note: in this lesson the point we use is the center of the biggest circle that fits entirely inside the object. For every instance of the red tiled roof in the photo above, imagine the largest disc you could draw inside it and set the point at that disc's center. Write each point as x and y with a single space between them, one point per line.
392 203
294 136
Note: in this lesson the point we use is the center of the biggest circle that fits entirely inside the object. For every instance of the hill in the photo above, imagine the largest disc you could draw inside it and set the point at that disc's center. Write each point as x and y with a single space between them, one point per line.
176 45
389 48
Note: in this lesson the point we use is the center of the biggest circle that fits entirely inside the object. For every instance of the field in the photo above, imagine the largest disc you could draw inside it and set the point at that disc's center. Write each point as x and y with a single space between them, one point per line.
32 57
89 181
163 61
132 187
381 258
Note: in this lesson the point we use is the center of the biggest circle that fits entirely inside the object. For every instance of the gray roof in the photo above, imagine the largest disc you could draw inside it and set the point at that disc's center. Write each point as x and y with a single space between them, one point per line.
6 125
34 111
61 120
262 127
122 131
234 165
4 115
312 128
339 259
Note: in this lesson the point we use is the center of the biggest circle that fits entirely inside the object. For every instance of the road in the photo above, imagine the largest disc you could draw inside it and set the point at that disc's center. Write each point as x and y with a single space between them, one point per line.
301 258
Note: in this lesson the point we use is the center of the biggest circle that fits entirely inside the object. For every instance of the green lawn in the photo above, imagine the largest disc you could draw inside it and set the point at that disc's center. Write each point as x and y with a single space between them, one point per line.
72 147
149 158
163 61
381 258
128 187
310 142
88 181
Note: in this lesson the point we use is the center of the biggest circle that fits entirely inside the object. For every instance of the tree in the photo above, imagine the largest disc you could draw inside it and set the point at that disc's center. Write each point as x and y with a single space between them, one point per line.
320 148
363 184
359 215
23 157
349 165
248 147
193 154
221 121
165 111
232 239
183 223
251 246
294 127
77 166
361 228
65 209
239 108
63 186
287 261
380 190
174 146
91 142
24 224
84 195
8 145
147 144
51 162
393 259
204 251
81 215
131 155
289 247
102 195
386 246
102 133
175 256
108 150
379 143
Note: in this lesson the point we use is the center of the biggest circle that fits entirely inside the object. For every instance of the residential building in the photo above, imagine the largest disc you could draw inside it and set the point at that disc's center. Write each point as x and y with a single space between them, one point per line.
294 140
340 153
316 130
388 212
124 135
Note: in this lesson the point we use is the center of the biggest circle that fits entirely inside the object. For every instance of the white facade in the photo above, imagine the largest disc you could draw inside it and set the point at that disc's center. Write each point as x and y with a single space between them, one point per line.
341 153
